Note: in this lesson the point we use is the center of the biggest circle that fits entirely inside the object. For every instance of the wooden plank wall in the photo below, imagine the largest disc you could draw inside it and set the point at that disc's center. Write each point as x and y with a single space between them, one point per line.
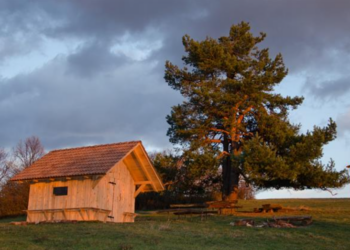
80 195
124 190
41 195
84 193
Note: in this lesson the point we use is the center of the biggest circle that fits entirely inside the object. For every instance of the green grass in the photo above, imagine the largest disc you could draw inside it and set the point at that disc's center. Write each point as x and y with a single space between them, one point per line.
331 230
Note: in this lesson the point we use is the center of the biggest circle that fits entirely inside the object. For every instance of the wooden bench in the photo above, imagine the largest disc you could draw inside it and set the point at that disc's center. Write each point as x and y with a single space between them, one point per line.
221 203
217 207
202 213
223 207
184 209
268 208
188 209
83 213
199 205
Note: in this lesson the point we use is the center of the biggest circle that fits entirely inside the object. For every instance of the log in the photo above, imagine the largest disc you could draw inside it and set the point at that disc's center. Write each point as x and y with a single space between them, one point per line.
244 222
18 223
188 212
169 211
281 224
222 204
295 220
271 206
257 210
199 205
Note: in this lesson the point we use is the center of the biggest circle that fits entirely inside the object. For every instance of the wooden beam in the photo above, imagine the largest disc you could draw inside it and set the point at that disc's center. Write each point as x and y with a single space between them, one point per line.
96 179
105 217
96 214
152 167
88 214
64 214
46 217
142 182
35 180
139 161
81 213
139 190
29 217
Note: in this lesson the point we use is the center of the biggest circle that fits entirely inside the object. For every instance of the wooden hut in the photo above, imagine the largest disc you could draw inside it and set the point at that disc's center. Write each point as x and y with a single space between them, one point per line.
89 183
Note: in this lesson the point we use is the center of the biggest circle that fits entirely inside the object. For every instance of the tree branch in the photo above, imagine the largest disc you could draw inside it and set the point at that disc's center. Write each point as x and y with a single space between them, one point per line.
222 154
220 130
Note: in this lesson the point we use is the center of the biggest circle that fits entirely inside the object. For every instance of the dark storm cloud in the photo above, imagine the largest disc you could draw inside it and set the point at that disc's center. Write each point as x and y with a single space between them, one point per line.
22 26
299 29
64 110
304 31
93 58
331 90
95 95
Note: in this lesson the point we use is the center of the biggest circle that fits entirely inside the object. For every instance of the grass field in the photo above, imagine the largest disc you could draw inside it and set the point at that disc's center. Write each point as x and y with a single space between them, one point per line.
330 231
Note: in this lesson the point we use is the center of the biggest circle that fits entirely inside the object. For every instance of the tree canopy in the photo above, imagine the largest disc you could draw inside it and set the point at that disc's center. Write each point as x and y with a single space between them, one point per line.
231 109
14 196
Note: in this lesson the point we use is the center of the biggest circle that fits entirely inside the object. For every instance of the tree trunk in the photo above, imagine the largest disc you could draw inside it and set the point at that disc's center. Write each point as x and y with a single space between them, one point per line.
230 175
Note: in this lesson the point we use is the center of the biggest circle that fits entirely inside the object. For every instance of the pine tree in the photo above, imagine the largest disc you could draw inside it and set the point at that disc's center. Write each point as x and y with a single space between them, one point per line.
231 108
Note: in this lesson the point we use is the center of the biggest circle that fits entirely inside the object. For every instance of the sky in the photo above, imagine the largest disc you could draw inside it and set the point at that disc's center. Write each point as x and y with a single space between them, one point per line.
78 73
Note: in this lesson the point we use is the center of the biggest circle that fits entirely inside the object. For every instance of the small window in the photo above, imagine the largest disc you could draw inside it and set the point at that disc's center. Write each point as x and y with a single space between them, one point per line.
60 191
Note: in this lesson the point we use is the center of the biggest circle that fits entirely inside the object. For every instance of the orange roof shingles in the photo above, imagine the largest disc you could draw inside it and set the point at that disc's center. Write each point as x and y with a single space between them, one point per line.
89 160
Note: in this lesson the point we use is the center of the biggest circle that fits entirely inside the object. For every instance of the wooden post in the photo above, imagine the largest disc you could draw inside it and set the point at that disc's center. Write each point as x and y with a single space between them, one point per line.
29 218
81 213
46 217
139 190
64 214
137 158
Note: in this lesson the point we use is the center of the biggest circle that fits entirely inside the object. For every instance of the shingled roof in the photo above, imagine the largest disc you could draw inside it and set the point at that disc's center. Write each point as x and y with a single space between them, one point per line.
91 160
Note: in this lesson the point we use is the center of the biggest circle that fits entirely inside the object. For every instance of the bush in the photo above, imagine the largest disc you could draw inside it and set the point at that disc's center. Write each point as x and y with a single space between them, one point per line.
14 199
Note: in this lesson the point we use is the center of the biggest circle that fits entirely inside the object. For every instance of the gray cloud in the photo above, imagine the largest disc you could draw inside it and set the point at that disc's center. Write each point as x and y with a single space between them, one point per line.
343 121
306 32
67 110
93 95
331 90
297 28
93 58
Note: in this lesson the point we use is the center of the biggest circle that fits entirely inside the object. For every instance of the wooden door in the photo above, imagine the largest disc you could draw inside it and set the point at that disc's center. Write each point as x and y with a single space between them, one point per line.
111 184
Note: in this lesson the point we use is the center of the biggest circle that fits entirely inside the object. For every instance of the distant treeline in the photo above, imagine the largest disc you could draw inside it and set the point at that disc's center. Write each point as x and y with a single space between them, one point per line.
14 196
